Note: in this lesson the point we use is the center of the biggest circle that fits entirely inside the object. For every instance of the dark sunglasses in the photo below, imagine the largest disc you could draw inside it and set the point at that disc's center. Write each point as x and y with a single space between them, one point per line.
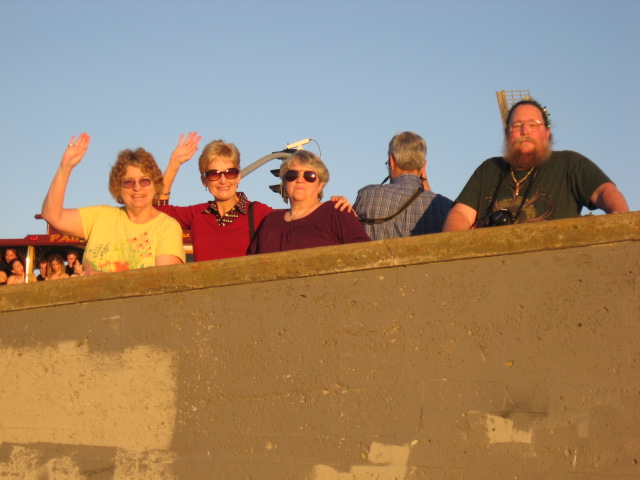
292 175
229 173
143 182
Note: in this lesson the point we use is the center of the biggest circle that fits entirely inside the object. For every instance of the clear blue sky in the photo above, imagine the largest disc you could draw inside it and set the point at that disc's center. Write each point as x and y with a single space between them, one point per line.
348 73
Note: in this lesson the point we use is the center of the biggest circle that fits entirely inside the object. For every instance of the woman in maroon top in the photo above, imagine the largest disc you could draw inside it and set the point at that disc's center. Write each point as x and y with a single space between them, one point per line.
309 222
220 228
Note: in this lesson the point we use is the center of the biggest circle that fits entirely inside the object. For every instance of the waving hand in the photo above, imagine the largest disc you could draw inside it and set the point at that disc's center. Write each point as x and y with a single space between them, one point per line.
75 150
186 148
63 219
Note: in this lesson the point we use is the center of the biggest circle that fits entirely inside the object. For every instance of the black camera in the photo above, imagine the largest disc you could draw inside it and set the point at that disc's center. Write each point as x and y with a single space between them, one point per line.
499 218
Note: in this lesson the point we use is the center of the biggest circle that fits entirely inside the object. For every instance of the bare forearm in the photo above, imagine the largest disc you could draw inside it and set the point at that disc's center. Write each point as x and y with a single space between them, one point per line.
53 204
461 217
64 220
169 176
608 198
187 146
167 260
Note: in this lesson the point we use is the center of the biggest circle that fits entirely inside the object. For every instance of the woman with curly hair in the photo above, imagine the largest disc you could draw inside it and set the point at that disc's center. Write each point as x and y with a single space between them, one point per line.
133 236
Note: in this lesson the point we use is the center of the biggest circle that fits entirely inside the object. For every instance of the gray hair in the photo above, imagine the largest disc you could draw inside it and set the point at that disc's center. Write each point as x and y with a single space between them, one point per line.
409 150
310 159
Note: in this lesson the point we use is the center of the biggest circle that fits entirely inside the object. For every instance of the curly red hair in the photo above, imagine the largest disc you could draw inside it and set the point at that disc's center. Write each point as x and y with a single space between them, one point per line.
139 158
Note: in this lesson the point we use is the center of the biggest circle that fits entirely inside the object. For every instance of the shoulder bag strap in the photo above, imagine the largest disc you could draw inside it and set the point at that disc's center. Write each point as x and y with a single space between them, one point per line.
252 231
410 200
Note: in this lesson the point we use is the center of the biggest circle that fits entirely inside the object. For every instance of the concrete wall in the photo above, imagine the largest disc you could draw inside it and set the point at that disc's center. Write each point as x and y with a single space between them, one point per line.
505 353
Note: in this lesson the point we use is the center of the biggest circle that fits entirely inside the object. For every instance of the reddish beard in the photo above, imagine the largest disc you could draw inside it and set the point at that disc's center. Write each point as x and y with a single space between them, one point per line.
524 161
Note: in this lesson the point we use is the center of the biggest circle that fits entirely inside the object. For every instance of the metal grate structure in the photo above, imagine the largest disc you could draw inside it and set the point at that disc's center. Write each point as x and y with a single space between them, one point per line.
506 98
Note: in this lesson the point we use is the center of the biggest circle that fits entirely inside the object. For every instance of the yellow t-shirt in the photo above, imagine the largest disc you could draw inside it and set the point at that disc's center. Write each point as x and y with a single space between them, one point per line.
115 243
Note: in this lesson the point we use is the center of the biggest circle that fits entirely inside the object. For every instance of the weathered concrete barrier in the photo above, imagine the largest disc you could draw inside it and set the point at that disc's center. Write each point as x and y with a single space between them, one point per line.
503 353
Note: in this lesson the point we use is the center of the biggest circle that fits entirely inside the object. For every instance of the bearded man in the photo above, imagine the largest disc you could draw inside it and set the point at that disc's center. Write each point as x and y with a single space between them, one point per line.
531 182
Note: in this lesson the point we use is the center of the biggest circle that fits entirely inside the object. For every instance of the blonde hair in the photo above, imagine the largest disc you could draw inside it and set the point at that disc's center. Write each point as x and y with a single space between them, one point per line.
218 150
55 258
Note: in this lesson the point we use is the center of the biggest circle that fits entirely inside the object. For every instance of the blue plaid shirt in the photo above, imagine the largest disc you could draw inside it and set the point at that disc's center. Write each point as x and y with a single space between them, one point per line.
426 214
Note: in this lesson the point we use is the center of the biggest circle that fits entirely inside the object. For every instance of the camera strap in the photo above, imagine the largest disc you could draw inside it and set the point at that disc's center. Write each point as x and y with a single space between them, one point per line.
252 230
410 200
503 174
492 204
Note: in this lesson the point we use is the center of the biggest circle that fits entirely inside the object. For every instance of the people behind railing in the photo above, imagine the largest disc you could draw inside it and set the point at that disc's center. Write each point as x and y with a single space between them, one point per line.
12 268
56 268
43 265
73 258
309 222
134 236
531 182
8 255
224 226
18 273
50 267
78 270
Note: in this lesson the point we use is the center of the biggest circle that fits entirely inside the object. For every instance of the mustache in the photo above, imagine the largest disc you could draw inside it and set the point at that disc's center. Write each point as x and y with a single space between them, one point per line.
520 140
514 156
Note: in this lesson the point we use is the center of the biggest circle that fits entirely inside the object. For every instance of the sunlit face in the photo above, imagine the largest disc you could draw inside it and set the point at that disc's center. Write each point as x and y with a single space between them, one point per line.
56 266
525 139
9 255
224 188
17 268
43 269
71 258
138 196
77 268
300 190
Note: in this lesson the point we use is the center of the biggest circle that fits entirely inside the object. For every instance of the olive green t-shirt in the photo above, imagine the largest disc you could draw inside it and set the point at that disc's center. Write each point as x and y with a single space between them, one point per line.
560 188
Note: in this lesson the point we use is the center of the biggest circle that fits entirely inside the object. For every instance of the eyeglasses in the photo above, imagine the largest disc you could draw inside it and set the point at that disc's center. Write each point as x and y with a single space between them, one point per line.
532 125
308 175
229 173
143 182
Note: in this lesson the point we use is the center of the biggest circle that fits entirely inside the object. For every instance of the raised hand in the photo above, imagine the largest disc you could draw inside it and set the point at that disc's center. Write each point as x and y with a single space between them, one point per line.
65 220
185 149
75 150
